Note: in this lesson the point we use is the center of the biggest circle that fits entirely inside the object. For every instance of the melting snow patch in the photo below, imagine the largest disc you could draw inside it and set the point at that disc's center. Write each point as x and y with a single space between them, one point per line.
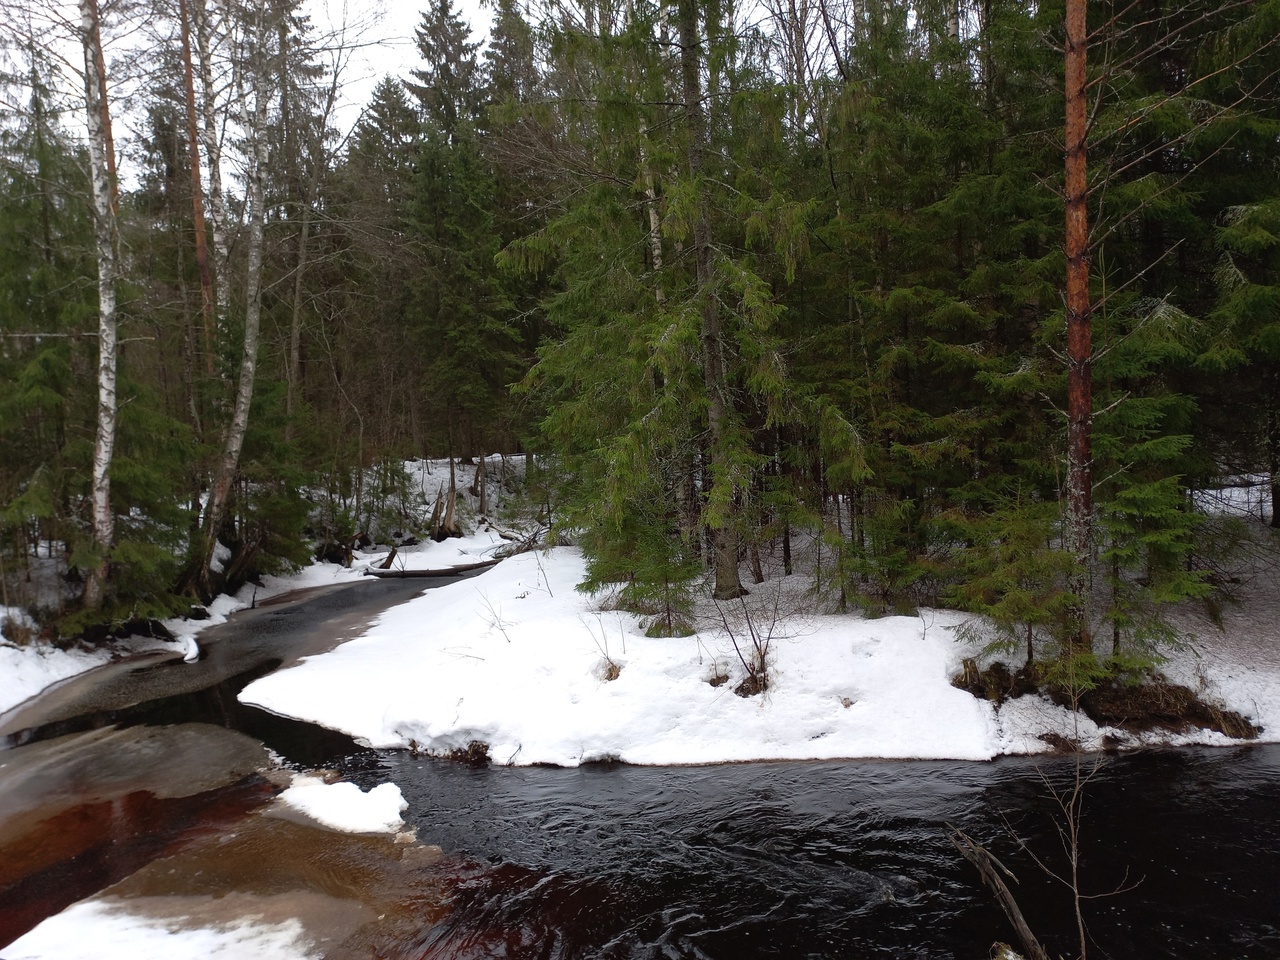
116 934
343 806
221 554
28 670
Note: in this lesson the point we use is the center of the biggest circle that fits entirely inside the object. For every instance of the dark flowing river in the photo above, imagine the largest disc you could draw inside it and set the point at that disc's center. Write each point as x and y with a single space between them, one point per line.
851 859
796 860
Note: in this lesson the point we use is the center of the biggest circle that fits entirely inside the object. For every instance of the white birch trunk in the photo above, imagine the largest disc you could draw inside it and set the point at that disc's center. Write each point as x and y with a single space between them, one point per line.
655 216
229 462
98 117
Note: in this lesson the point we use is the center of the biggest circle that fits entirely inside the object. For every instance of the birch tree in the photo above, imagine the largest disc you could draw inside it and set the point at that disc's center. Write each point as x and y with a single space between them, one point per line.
253 91
205 43
102 186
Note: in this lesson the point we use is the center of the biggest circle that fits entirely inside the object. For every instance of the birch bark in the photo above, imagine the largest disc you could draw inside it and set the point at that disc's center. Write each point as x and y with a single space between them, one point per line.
213 156
256 125
102 191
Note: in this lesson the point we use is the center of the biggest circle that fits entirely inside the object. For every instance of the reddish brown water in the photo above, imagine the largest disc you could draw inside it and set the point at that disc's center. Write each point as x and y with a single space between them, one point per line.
88 847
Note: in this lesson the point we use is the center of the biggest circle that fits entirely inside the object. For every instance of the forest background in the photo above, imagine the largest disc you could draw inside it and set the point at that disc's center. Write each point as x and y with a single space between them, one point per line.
802 286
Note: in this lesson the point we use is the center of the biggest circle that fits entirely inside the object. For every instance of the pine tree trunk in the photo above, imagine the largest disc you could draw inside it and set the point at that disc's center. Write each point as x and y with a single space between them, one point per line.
719 410
197 193
757 571
1078 524
102 187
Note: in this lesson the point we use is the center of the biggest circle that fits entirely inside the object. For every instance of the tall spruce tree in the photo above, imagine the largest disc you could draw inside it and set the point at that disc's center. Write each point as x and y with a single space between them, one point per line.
663 331
462 314
46 343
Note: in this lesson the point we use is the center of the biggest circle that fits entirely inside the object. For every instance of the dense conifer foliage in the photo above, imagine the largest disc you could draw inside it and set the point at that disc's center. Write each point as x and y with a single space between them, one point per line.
770 290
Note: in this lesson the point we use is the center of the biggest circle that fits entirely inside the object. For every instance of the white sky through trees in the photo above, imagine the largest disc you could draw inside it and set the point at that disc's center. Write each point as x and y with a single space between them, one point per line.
378 39
385 42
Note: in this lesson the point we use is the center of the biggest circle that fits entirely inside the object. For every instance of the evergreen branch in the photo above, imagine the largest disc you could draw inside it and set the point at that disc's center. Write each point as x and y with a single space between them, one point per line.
1186 135
1106 298
1166 40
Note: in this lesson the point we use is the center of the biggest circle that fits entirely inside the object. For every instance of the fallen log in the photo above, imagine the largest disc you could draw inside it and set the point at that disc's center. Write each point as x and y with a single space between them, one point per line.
441 572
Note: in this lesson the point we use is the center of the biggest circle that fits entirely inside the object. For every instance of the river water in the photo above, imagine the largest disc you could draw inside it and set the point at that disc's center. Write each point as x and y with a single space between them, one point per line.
794 860
851 859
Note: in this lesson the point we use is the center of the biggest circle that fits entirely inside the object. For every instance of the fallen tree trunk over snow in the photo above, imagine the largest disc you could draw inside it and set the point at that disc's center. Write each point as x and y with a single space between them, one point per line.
442 572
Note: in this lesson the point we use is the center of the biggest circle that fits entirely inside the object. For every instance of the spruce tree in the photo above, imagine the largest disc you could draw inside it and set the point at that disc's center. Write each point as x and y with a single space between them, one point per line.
662 358
46 347
461 314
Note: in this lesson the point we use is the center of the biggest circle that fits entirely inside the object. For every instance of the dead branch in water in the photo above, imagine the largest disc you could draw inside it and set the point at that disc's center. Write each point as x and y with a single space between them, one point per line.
990 869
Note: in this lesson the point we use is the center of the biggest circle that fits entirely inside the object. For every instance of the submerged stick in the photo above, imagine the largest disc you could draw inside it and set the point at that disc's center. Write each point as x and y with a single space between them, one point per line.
990 869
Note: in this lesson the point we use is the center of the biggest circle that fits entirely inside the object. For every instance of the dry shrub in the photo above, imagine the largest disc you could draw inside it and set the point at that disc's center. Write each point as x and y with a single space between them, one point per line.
17 632
474 754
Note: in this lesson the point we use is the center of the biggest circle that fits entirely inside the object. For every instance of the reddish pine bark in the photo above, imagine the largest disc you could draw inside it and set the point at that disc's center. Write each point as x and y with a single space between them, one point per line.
197 193
1079 492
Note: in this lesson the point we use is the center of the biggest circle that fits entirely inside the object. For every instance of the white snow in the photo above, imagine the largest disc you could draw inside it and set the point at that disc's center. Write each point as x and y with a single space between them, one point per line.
475 547
107 930
1246 497
28 669
343 806
190 649
517 659
221 554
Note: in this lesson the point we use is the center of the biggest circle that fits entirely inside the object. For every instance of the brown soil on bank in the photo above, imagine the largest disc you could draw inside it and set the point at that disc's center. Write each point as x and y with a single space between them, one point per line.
1155 703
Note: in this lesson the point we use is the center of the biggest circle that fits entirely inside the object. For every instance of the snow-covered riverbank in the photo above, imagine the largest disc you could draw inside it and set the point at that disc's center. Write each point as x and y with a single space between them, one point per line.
29 668
516 659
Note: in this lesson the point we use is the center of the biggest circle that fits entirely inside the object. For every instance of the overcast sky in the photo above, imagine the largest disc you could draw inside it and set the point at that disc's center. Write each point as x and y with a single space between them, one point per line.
385 46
